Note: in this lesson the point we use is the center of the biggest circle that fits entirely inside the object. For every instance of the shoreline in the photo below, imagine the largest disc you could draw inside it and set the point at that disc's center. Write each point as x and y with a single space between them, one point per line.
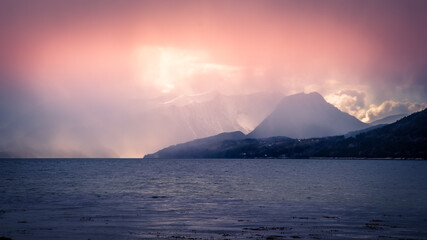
143 158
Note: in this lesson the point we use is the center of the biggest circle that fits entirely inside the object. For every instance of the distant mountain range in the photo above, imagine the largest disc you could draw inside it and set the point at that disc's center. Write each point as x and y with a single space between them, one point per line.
405 138
388 120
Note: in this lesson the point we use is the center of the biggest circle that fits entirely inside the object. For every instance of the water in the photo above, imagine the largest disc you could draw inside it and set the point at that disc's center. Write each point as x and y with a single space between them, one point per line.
212 199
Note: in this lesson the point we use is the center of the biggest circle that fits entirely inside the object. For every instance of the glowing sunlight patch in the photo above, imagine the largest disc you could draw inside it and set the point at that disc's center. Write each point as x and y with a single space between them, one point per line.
168 67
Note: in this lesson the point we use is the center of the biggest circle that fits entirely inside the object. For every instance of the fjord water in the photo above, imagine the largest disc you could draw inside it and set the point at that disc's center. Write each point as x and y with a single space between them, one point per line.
212 199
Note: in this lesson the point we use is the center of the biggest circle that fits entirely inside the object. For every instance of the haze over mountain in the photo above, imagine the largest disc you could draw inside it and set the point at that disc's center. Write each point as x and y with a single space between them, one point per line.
156 124
306 116
189 118
388 119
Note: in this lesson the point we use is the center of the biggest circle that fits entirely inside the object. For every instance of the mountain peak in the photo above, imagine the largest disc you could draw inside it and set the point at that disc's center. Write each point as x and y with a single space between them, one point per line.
312 96
315 95
306 116
304 99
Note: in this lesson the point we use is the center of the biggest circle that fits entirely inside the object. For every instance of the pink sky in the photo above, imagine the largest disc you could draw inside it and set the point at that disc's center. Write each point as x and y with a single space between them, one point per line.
369 58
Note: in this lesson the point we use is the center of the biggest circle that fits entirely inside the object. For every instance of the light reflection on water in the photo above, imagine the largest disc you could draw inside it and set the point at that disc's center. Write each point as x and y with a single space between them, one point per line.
223 198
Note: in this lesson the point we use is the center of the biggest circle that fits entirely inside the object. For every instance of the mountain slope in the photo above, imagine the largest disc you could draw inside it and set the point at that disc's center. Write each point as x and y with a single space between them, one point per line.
199 148
357 132
406 138
306 116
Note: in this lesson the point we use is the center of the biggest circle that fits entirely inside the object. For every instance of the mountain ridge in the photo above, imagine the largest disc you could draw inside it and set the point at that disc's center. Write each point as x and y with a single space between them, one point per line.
403 139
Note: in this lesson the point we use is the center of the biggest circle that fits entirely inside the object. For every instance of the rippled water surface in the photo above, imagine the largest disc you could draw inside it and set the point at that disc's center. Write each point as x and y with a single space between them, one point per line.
212 199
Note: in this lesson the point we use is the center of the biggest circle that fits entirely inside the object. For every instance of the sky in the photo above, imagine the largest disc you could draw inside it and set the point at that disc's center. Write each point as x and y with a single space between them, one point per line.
64 65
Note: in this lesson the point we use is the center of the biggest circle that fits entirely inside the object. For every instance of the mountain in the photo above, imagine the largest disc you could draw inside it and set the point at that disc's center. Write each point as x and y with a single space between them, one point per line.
200 147
405 138
388 120
306 116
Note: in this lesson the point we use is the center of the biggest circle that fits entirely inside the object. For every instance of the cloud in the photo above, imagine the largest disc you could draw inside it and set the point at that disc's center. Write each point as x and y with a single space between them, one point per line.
349 101
353 102
391 107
